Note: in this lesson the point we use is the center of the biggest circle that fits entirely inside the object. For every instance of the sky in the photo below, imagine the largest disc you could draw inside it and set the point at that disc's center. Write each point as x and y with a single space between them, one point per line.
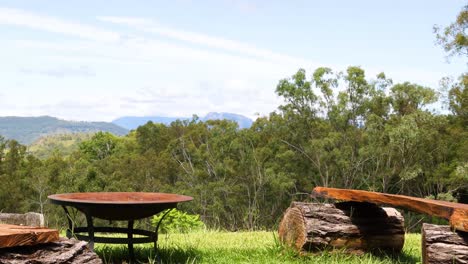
99 60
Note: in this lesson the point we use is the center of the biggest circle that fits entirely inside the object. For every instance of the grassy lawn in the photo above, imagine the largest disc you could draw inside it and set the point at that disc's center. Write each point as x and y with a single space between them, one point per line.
243 247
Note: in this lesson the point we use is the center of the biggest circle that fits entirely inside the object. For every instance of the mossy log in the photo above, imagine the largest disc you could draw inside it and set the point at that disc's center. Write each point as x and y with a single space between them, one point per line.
351 226
442 245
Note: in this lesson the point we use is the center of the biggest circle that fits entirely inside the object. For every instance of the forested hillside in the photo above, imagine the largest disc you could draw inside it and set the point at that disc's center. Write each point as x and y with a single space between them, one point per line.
64 144
372 135
27 129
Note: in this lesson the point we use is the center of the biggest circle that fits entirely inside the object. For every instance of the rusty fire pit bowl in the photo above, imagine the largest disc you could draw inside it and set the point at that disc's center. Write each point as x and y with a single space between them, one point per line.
119 205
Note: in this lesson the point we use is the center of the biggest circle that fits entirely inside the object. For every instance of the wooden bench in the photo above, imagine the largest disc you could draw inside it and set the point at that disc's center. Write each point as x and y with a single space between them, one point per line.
16 235
456 213
440 244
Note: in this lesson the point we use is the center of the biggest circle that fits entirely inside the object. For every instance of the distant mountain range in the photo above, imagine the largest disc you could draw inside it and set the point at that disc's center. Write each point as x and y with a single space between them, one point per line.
28 129
132 122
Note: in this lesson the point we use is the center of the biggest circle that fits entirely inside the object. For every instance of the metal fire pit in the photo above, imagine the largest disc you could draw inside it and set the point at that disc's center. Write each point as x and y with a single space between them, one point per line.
118 206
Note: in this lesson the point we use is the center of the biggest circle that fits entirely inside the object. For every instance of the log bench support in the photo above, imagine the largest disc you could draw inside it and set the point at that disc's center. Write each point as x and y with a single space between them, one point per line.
442 245
354 227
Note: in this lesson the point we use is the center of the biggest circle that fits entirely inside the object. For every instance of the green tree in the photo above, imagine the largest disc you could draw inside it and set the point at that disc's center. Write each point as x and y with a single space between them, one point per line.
458 99
453 38
100 146
407 98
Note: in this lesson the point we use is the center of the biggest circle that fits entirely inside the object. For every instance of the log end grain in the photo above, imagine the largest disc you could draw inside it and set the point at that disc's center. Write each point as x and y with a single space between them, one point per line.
292 229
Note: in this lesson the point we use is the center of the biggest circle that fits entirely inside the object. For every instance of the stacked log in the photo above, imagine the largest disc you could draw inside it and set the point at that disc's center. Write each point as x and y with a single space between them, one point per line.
442 245
63 251
352 226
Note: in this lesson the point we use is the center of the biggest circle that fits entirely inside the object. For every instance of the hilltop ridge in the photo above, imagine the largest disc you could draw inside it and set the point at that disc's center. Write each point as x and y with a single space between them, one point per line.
28 129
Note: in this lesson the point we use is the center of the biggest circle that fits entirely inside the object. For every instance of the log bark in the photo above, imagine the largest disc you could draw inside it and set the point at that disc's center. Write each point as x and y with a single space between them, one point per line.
456 213
354 227
14 235
63 251
441 245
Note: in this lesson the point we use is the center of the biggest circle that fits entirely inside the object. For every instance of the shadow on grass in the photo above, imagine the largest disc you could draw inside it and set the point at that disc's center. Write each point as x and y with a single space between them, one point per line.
119 254
402 257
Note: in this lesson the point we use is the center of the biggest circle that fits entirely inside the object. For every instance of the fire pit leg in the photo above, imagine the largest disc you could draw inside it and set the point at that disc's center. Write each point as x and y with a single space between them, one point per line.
70 222
89 220
157 231
130 240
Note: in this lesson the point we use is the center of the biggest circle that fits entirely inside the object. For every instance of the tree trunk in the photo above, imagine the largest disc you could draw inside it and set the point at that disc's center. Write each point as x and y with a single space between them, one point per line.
63 251
442 245
355 227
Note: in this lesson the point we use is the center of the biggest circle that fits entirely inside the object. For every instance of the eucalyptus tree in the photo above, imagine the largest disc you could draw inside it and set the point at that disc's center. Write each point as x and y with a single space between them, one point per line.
453 38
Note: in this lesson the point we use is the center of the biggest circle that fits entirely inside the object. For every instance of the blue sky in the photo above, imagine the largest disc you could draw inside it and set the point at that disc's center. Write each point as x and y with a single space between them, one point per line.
99 60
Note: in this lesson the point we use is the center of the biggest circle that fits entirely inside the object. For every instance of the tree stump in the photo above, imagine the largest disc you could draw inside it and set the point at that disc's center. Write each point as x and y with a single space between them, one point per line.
442 245
63 251
352 226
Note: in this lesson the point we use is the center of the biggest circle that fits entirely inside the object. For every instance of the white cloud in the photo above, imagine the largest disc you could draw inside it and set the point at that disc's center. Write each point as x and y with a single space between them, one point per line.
9 16
61 71
181 79
148 25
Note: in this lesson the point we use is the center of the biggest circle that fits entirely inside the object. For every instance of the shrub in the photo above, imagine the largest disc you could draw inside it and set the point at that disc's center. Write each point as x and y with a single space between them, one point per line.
178 222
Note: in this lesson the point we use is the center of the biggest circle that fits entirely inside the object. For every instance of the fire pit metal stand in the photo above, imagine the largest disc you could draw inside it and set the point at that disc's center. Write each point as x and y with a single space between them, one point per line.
117 207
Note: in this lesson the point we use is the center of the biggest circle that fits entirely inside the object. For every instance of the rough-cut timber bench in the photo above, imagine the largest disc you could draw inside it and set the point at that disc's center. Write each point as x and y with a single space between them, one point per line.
440 244
456 213
15 235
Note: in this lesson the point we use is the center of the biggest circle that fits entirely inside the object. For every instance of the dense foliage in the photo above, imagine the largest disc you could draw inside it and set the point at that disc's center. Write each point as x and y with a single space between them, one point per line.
334 129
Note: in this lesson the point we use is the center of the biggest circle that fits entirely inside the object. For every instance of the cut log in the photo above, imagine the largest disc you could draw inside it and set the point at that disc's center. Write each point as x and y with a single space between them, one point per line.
441 245
28 219
456 213
62 251
354 227
14 235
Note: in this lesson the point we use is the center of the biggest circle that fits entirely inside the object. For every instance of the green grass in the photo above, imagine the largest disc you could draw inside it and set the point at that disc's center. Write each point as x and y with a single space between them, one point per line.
244 247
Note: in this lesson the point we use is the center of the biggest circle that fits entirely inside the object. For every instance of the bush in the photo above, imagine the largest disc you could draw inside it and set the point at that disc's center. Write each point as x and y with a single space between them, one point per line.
178 222
448 196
